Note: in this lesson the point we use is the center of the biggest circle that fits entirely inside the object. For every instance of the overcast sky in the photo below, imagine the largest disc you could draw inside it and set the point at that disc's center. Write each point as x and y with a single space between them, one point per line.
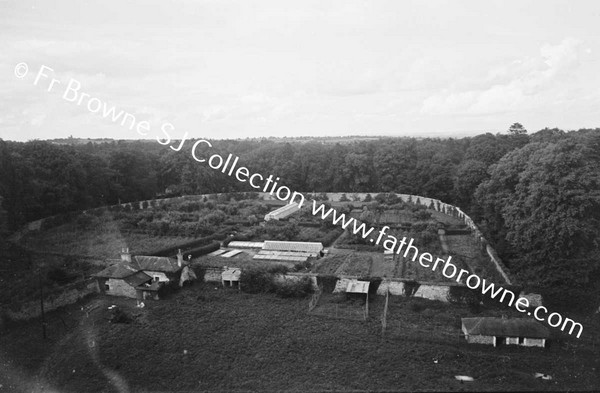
236 69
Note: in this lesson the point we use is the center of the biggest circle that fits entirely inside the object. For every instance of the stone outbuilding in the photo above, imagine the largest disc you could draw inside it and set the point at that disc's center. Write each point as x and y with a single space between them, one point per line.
121 279
142 276
504 331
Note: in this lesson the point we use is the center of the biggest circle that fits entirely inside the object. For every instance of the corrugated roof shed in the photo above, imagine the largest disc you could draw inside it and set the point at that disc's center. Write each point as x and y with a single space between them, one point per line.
504 327
272 245
231 274
355 286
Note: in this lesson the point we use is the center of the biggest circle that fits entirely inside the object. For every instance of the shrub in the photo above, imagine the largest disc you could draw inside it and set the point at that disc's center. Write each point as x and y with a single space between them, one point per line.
293 288
120 316
59 276
368 198
302 266
344 198
422 215
257 280
417 307
464 295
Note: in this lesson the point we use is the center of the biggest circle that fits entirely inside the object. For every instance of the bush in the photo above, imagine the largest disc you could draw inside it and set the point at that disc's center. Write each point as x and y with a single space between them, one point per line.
302 266
120 316
368 198
293 288
327 283
417 307
464 295
422 215
59 276
257 280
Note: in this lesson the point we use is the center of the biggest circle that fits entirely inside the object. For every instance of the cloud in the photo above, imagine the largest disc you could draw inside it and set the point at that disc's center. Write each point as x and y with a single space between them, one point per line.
527 83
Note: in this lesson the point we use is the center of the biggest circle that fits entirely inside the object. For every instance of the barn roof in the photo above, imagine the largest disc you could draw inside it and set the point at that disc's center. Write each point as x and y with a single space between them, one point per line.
137 279
272 245
157 264
241 244
118 270
503 327
231 274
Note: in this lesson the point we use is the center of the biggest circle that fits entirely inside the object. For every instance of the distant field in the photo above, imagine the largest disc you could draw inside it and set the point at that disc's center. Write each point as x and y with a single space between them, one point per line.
207 339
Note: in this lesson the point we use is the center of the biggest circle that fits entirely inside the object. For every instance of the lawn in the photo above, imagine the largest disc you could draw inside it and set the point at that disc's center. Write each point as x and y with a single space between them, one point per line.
209 339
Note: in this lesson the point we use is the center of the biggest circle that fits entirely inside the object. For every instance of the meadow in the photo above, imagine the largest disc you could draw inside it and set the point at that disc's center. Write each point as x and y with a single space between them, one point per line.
205 338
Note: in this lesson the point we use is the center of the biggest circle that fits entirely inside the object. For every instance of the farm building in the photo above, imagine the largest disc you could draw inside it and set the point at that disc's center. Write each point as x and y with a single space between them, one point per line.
504 331
240 244
314 248
121 279
142 276
295 252
161 269
231 275
282 212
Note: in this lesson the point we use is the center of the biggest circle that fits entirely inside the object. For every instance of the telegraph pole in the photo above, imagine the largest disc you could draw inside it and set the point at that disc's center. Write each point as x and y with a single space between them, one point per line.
43 317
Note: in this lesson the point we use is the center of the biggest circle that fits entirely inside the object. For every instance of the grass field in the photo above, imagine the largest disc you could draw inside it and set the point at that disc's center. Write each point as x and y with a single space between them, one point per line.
207 339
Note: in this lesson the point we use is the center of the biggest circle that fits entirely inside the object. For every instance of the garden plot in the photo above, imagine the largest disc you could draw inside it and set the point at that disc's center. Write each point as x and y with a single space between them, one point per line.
329 265
356 264
477 261
383 267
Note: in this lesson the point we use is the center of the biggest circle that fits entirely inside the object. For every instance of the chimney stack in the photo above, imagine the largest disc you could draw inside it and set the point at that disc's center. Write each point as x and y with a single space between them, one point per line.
179 258
125 255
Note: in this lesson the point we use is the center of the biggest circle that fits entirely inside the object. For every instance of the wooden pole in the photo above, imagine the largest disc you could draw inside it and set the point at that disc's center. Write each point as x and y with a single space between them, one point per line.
43 317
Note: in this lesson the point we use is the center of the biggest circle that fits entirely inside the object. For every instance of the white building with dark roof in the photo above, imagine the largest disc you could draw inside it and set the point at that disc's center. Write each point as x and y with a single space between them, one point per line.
504 331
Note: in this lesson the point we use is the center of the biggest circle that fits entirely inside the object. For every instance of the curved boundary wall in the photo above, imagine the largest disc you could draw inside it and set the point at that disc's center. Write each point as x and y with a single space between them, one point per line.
431 203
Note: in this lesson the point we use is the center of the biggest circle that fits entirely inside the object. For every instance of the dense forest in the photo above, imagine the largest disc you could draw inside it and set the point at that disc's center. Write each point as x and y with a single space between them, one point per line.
536 197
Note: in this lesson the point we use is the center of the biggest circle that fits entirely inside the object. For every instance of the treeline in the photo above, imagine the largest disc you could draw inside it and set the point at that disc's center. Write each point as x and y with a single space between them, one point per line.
537 197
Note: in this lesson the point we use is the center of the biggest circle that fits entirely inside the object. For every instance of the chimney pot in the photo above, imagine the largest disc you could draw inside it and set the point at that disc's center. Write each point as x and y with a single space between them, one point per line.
125 255
179 258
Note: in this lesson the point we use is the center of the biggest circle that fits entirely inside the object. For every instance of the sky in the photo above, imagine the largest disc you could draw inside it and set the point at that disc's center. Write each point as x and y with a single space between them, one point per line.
243 69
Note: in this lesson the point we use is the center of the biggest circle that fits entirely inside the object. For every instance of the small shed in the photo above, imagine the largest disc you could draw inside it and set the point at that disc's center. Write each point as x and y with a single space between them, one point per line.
504 331
360 287
149 290
231 275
